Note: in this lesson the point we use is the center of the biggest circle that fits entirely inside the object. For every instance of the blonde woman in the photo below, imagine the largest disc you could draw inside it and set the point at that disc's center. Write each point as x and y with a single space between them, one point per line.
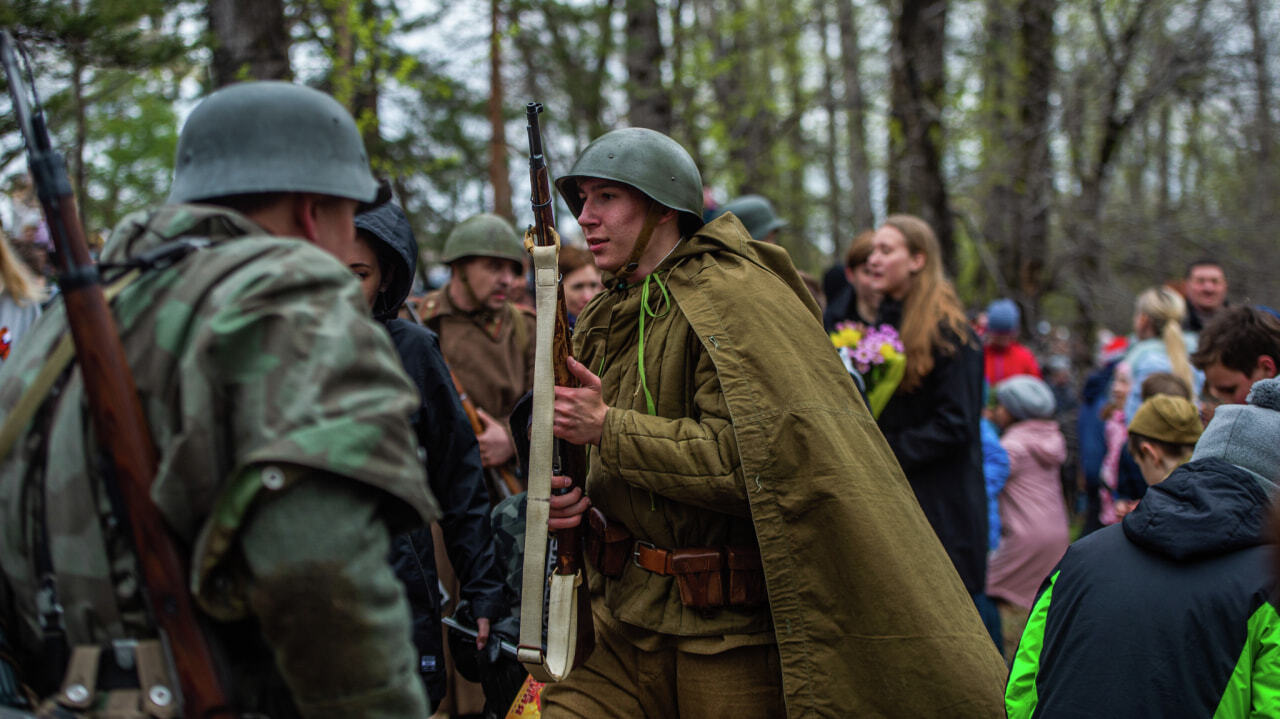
20 295
931 423
1162 345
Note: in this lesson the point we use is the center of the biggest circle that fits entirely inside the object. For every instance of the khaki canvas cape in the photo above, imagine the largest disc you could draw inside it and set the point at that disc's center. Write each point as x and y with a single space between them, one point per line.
870 616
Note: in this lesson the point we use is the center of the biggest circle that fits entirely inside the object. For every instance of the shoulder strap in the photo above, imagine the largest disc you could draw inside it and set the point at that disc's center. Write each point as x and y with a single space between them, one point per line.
25 409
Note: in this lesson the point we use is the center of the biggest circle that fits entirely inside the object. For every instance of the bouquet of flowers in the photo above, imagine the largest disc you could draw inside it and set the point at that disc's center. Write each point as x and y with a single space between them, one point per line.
876 354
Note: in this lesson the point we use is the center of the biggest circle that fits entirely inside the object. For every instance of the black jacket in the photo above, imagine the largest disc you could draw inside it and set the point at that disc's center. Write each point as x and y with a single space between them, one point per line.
934 433
452 458
1180 588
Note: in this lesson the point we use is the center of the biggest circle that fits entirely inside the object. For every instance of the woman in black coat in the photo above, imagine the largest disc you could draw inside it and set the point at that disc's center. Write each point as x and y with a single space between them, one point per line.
931 423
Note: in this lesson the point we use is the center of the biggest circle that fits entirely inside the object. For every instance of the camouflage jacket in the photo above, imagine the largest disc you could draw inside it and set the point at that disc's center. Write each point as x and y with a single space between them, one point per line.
250 351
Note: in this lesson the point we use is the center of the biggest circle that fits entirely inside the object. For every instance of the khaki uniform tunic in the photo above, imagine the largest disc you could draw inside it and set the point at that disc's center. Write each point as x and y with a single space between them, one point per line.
490 352
674 479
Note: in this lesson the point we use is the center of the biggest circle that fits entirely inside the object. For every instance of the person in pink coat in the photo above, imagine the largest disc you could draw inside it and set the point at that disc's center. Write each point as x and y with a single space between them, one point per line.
1033 513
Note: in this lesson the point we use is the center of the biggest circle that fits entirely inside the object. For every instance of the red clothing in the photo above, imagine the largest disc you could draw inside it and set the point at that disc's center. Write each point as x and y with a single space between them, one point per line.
1004 362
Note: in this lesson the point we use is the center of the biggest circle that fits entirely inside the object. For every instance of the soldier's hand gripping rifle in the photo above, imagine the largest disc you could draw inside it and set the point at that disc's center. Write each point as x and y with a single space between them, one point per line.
500 479
570 636
118 419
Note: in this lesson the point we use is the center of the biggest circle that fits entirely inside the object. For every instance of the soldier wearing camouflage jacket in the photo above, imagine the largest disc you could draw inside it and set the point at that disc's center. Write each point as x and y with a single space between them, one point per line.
280 413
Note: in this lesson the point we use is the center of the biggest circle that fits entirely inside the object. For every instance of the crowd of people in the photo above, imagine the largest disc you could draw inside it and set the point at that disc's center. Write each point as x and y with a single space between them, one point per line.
852 497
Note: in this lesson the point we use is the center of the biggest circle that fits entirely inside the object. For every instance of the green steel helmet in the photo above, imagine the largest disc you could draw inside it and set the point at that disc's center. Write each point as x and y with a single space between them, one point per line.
483 235
259 137
756 214
647 160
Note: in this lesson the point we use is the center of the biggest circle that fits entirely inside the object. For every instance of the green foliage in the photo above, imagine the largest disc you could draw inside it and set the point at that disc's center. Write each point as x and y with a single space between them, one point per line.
119 123
1158 151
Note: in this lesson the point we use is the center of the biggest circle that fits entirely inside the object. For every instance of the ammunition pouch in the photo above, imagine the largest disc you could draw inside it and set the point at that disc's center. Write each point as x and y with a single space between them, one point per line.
707 577
126 680
606 545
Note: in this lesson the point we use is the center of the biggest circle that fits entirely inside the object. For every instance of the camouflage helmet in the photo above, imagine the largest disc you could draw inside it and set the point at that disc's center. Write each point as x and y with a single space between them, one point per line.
483 235
756 214
647 160
259 137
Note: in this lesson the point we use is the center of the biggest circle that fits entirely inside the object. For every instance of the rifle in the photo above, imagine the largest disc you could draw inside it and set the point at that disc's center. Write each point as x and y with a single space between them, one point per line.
570 633
501 480
116 413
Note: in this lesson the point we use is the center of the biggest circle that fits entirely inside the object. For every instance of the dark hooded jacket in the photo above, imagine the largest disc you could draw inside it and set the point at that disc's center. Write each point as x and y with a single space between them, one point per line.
1180 588
452 457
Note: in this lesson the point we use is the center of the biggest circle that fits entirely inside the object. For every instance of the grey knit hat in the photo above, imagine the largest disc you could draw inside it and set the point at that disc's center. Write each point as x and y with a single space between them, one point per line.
1026 397
1247 435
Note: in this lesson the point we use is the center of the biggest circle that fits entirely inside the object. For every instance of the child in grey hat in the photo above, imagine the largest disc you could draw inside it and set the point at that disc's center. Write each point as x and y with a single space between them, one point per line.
1181 586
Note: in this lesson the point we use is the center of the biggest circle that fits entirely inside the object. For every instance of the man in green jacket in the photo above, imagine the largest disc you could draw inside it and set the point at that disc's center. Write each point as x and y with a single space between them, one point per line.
280 414
776 562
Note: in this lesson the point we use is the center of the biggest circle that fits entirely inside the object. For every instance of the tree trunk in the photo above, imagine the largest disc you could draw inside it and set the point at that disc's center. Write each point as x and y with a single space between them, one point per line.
367 86
855 105
650 103
499 176
1263 193
82 127
917 95
1036 43
830 153
250 40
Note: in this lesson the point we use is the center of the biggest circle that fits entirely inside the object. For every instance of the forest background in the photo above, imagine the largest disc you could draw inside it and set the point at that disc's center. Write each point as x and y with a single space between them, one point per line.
1069 152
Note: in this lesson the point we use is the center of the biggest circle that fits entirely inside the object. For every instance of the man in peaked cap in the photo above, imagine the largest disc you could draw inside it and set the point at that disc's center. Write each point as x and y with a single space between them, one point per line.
281 416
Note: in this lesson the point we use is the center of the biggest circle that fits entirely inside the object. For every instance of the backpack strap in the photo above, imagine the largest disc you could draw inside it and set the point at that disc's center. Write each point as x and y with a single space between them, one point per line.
25 409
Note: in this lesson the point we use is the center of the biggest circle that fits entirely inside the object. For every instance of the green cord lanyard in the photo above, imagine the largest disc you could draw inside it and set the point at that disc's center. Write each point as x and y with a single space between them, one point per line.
646 311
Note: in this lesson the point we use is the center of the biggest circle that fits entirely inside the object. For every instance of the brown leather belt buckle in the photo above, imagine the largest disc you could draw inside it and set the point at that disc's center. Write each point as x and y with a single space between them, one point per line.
647 556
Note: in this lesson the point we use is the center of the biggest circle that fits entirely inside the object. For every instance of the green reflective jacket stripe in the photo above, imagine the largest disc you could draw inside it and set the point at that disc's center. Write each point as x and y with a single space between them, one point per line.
1254 687
1020 693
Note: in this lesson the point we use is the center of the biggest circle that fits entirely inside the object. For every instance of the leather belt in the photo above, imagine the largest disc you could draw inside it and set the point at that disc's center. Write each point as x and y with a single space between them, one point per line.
707 577
655 559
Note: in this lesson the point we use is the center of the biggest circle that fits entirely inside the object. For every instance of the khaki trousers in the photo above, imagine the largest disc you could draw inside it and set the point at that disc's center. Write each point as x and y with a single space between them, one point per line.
622 681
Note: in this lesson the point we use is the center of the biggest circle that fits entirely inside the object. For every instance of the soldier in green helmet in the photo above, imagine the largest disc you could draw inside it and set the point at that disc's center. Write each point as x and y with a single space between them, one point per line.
761 553
281 416
486 339
755 212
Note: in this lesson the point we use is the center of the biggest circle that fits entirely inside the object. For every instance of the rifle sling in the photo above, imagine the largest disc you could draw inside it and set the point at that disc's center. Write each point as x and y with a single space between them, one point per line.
551 664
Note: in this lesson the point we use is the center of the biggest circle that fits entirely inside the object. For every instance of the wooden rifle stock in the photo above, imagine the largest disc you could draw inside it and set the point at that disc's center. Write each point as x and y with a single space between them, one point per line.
505 479
569 460
118 419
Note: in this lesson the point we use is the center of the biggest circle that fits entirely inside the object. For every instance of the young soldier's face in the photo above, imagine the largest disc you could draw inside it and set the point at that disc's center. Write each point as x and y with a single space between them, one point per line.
611 219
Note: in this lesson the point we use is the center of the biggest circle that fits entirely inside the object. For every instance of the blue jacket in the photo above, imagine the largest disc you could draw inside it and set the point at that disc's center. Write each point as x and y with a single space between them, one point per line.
995 470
